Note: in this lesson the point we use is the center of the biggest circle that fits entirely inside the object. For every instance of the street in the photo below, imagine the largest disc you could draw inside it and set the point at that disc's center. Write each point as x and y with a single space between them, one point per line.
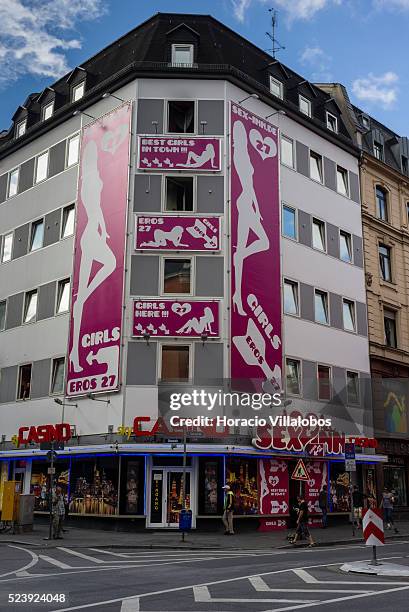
124 580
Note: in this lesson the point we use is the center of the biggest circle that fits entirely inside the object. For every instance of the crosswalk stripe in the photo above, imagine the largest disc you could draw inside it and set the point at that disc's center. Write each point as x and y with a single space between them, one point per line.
55 562
130 605
202 594
76 553
261 586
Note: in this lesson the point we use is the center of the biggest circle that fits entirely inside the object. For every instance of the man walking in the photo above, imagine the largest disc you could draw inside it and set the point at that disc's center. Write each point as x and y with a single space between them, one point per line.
302 522
323 504
387 502
58 513
228 510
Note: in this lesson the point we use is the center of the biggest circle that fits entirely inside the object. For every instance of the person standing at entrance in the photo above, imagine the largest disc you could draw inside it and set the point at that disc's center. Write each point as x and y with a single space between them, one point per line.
58 513
387 502
228 510
358 504
302 522
323 504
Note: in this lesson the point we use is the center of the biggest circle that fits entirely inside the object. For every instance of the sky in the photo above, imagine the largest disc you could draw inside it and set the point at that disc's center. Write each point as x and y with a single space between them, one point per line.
360 43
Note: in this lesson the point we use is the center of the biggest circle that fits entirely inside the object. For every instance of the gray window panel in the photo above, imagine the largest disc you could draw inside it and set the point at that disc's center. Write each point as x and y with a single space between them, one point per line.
332 240
361 319
3 187
8 384
339 386
210 194
307 302
304 228
147 193
46 301
52 227
303 159
335 310
309 380
26 175
56 160
209 276
357 248
20 243
40 378
144 275
141 364
366 393
208 362
211 111
148 111
14 310
354 187
330 174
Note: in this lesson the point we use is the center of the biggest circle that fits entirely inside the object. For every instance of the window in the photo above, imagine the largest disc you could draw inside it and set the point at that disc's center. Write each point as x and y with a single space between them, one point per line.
37 235
332 122
407 213
378 150
175 363
385 262
348 312
342 181
290 297
182 55
68 216
404 164
287 152
30 306
47 111
389 319
21 128
321 307
304 105
316 166
13 182
289 222
3 305
365 122
352 387
345 246
292 373
63 295
324 382
41 167
381 203
73 147
7 247
24 382
177 276
78 92
318 234
57 380
276 87
181 117
179 193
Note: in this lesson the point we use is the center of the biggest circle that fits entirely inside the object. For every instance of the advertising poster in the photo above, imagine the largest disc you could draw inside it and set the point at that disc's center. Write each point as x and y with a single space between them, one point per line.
241 475
40 482
187 319
318 473
255 249
340 500
174 233
98 268
210 487
274 486
132 487
179 153
94 486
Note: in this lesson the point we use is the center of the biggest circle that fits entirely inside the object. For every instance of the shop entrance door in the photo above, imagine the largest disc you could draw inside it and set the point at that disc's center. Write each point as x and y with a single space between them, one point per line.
166 499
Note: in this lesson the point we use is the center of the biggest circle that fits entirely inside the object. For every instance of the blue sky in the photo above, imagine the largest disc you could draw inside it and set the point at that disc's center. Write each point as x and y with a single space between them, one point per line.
360 43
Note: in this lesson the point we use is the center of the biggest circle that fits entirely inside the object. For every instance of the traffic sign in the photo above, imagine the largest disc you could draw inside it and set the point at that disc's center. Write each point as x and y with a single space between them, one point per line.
372 525
350 465
300 472
349 450
51 455
51 470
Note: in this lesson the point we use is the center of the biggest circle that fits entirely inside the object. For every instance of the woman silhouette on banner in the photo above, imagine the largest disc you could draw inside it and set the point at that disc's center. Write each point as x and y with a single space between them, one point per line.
249 217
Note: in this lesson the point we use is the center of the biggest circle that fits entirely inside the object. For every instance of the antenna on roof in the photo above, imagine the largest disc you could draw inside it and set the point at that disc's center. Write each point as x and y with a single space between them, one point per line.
272 36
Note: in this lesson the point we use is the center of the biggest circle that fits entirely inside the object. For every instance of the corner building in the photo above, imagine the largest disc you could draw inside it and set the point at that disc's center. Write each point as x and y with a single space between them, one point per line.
139 289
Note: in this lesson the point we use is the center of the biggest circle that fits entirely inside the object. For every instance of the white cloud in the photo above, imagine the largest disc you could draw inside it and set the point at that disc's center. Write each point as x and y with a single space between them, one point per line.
31 40
240 7
293 9
402 5
379 90
318 62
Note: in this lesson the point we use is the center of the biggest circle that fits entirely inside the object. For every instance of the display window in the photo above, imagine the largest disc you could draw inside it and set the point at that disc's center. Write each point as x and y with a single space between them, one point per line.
241 475
210 485
339 495
394 479
94 486
132 485
40 482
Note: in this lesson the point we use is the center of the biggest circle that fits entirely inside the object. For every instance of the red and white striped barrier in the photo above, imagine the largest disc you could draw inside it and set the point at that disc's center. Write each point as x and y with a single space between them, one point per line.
372 523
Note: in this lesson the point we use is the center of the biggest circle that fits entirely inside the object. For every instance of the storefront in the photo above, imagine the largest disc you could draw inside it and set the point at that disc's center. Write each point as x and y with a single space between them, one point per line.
394 473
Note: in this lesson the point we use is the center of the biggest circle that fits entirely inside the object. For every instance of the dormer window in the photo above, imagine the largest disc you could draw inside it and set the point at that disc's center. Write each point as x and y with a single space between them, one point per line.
365 122
21 128
378 150
404 162
304 105
332 122
78 92
276 88
47 111
182 55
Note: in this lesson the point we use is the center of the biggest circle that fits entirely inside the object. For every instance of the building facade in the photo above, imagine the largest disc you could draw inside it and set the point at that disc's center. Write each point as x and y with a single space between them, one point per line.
160 170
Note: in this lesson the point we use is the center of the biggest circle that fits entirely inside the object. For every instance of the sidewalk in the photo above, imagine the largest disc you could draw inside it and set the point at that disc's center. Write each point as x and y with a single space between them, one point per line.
91 538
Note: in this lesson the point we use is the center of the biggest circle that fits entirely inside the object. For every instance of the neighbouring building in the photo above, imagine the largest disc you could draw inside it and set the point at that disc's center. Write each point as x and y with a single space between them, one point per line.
148 236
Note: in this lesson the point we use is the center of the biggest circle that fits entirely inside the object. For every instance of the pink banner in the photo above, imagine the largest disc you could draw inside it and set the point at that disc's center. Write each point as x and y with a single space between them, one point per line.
181 318
317 471
255 249
174 233
171 153
273 486
97 285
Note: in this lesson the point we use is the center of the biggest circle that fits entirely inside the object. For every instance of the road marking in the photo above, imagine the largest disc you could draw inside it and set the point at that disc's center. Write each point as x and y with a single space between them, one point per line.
108 552
55 562
202 594
301 573
78 554
131 605
305 576
260 585
34 560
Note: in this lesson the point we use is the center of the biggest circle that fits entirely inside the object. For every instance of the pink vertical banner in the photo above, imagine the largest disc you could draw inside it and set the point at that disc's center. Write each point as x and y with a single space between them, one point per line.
318 473
255 249
98 270
273 486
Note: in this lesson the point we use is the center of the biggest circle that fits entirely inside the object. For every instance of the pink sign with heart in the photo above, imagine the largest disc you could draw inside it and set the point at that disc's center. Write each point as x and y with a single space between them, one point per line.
186 319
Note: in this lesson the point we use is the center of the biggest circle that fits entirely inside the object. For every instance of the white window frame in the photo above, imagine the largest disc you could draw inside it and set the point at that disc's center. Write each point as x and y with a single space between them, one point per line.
331 116
62 237
389 249
44 110
174 51
165 194
348 239
195 115
15 170
191 360
343 172
290 141
320 165
76 88
299 377
380 147
57 297
51 392
326 309
25 307
22 365
301 99
366 122
67 150
324 240
21 125
285 205
5 300
296 284
330 380
36 180
32 224
280 85
176 296
3 261
349 403
345 302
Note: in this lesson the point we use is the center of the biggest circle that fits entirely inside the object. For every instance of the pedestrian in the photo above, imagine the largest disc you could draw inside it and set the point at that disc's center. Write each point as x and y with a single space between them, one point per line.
228 510
66 507
357 506
58 513
323 504
302 522
387 502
